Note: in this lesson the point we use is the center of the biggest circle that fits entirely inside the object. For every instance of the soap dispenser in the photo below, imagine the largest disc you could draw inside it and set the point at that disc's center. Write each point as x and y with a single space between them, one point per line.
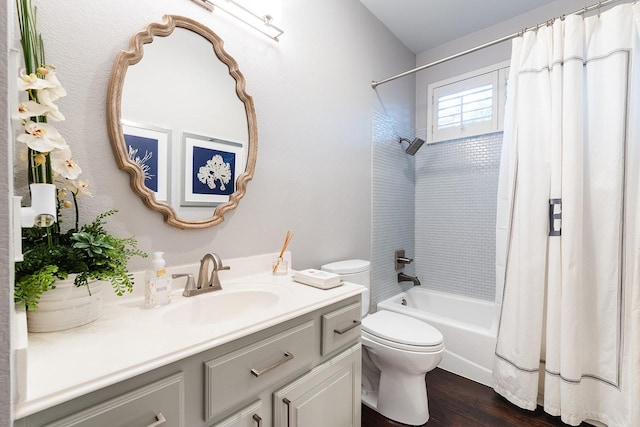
157 283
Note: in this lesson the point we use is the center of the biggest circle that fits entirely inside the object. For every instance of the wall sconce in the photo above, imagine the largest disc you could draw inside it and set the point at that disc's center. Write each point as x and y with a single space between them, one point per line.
257 22
42 212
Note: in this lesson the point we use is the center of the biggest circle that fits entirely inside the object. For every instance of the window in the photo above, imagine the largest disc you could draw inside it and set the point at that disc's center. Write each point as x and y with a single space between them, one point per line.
467 105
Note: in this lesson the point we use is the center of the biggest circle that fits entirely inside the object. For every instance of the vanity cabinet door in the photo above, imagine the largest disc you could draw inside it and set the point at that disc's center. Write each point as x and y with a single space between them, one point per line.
329 395
251 416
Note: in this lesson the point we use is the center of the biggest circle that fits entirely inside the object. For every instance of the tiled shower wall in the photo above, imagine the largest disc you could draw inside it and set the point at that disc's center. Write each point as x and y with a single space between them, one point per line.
439 205
455 214
392 204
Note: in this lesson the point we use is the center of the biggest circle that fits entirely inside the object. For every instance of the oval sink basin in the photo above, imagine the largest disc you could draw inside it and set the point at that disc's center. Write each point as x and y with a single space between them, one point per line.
221 306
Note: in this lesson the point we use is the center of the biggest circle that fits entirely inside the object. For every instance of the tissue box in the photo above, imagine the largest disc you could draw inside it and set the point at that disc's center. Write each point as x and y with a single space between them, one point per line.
317 278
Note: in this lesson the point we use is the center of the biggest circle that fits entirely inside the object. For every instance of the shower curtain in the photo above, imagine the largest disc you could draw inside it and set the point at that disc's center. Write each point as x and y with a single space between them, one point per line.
568 223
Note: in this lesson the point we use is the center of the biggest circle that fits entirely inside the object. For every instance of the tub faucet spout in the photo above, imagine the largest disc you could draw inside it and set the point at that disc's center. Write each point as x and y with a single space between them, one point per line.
406 278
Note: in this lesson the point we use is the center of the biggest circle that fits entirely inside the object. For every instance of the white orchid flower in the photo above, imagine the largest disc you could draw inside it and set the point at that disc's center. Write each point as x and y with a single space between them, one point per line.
45 98
63 164
83 188
80 187
28 109
42 137
32 81
55 90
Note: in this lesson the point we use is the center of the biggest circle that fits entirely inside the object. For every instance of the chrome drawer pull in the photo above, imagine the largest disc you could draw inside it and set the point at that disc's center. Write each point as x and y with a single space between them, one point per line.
160 420
257 419
288 403
347 328
287 356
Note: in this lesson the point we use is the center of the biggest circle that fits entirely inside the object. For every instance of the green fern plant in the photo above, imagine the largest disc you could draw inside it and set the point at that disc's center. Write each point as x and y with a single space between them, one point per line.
89 252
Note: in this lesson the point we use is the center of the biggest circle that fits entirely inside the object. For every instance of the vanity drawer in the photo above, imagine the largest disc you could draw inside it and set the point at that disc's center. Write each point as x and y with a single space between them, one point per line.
144 407
244 373
340 328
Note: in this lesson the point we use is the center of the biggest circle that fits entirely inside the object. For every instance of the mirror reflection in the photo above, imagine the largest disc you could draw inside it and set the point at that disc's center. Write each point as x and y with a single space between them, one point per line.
181 123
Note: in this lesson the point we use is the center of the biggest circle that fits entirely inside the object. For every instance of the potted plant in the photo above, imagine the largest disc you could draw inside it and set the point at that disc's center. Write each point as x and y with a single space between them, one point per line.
88 252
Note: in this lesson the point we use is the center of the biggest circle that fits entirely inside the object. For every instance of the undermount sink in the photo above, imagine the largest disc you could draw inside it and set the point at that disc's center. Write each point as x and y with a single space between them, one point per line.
221 306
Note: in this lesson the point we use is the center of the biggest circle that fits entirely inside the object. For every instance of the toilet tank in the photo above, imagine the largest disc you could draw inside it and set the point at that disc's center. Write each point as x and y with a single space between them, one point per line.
355 271
351 270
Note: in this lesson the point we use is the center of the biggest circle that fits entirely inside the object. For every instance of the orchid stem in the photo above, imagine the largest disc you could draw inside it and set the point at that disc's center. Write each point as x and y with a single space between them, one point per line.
75 205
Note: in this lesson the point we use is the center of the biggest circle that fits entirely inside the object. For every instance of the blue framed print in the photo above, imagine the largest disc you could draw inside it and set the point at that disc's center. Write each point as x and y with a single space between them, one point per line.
148 147
211 167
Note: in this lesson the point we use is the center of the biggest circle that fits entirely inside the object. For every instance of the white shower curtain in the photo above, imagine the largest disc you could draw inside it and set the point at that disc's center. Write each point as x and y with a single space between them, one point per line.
568 226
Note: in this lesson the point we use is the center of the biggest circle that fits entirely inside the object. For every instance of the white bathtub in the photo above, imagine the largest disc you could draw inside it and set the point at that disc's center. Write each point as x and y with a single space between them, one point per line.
469 327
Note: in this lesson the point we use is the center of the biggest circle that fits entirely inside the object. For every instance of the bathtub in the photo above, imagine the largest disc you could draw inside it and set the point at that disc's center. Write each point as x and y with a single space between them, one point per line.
469 327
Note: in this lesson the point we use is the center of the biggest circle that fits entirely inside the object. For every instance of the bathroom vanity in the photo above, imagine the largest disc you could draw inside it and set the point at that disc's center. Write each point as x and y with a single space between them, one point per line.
264 351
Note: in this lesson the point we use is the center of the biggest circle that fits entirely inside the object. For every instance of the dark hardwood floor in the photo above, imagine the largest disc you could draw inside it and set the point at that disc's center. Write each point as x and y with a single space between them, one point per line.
456 401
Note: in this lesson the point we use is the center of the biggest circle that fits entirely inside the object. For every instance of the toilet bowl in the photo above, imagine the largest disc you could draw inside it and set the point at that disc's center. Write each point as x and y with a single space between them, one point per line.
398 352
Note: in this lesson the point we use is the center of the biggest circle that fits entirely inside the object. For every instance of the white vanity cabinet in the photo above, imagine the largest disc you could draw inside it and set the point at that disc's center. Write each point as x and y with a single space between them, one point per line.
242 383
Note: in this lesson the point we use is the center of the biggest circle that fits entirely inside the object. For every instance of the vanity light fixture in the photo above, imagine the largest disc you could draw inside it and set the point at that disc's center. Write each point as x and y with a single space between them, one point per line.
241 13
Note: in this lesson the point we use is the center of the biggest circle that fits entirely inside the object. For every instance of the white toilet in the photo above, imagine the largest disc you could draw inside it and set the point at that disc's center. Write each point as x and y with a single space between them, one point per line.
398 351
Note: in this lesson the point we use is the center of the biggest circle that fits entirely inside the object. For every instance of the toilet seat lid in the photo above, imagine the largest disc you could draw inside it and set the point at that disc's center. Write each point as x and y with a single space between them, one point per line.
399 328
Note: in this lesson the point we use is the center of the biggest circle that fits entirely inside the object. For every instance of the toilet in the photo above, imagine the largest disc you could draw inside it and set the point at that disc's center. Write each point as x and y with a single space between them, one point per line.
398 351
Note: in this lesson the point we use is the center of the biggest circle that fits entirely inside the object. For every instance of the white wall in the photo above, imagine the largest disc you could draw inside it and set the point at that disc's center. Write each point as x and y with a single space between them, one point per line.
6 263
313 103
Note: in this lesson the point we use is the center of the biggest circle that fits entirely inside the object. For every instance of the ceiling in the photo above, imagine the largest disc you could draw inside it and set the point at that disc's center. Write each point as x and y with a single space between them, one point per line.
424 24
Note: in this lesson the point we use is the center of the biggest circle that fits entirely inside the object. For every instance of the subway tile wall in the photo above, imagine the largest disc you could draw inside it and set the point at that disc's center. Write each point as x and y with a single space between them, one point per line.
392 199
455 213
439 205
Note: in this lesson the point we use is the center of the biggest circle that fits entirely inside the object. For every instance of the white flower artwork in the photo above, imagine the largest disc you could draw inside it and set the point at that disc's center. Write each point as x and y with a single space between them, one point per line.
148 146
216 169
209 170
142 161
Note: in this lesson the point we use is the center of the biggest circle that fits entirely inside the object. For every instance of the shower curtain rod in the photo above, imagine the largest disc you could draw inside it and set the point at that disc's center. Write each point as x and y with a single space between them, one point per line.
584 10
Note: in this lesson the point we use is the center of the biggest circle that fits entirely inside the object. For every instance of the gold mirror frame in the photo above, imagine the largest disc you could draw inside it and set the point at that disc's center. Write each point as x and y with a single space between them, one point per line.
114 124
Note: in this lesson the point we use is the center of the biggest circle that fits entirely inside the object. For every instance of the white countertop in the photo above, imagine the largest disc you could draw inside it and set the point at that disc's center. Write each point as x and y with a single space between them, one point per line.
128 340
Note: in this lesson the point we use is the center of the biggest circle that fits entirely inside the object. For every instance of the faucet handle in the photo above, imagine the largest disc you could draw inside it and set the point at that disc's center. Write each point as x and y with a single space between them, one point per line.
401 260
191 284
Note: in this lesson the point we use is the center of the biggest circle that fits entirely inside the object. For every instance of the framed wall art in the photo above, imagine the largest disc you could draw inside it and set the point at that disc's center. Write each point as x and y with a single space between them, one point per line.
210 166
148 147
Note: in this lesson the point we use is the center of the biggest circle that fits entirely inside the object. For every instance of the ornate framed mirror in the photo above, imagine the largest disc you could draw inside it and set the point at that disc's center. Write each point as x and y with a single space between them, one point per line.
181 123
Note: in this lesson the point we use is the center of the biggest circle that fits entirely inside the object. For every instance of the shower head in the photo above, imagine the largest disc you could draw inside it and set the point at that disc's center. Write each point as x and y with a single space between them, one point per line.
414 145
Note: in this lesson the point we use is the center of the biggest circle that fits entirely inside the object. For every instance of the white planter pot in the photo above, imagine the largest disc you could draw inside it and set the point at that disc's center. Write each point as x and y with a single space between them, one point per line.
66 307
